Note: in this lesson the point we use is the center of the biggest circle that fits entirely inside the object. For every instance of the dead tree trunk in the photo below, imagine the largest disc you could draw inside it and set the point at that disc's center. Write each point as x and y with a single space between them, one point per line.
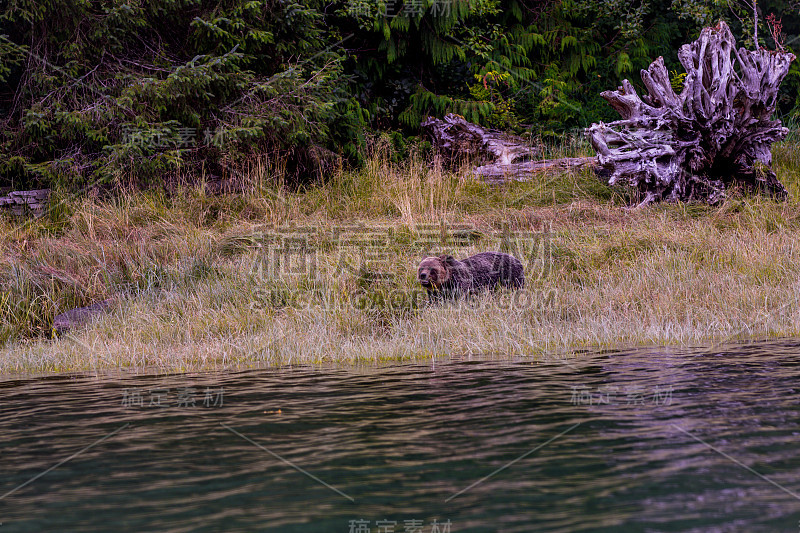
497 173
717 132
457 139
505 157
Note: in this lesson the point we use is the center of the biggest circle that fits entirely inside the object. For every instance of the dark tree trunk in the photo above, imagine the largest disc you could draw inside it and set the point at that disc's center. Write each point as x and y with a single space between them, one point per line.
716 133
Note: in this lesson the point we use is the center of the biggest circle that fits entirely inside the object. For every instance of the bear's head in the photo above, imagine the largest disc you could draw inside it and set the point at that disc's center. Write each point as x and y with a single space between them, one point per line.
433 272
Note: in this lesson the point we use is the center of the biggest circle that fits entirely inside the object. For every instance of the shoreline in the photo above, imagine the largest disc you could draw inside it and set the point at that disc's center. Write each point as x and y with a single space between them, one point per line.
568 358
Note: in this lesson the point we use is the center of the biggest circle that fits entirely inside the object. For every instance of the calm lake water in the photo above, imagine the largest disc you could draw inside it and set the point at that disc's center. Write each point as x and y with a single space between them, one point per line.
643 440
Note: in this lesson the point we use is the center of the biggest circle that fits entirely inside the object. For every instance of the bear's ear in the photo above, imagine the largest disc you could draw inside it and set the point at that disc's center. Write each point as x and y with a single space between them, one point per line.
448 260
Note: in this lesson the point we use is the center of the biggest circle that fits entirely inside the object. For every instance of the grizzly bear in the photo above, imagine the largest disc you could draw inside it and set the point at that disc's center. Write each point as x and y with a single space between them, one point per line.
446 277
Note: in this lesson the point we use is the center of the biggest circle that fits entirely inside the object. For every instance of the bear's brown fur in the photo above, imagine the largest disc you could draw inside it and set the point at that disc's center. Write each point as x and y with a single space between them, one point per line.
445 276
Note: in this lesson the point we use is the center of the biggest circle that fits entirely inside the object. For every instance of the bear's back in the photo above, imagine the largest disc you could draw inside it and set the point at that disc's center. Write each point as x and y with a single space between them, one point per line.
490 268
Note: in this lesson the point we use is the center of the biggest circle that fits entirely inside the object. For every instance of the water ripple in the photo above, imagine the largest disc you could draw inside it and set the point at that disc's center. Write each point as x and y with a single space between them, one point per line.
630 440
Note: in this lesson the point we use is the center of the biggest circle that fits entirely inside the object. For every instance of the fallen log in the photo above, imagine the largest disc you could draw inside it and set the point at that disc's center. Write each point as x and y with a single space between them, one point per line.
507 157
458 140
715 134
499 173
21 201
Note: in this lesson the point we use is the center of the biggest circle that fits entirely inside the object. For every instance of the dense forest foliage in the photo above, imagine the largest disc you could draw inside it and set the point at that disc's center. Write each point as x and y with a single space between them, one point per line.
128 90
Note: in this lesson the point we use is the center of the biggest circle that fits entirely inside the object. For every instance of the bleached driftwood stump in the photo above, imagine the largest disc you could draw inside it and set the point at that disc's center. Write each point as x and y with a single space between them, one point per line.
718 131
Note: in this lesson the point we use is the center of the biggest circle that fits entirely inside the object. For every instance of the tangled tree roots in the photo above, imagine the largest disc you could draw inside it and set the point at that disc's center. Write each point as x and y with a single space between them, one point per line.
717 132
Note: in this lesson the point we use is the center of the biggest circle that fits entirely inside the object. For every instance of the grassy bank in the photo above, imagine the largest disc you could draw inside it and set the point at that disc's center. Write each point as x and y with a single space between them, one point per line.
327 274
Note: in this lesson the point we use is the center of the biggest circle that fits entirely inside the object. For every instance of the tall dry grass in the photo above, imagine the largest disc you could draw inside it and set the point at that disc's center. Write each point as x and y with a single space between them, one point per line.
198 293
